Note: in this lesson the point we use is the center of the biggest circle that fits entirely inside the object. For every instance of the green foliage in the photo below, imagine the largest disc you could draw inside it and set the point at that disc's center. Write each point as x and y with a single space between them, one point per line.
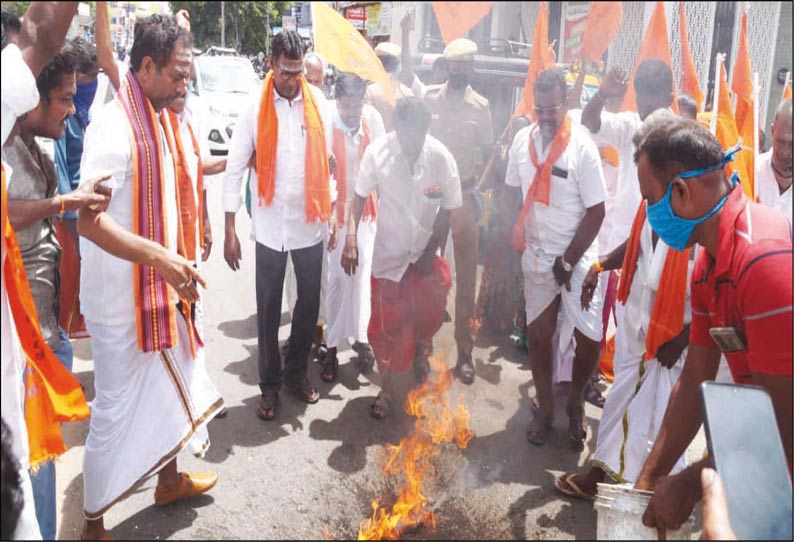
246 23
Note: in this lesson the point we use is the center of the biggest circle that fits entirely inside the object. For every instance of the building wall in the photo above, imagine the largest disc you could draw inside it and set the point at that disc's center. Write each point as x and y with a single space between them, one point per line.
782 59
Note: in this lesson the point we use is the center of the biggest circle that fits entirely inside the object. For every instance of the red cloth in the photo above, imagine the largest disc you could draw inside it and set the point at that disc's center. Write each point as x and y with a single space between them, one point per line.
407 312
748 287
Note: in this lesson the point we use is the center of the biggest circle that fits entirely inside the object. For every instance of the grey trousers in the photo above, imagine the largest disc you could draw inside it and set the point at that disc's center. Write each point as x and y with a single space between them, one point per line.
270 268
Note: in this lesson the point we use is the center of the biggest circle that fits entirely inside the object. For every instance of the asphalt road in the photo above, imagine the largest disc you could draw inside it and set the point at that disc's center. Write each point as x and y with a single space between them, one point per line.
315 470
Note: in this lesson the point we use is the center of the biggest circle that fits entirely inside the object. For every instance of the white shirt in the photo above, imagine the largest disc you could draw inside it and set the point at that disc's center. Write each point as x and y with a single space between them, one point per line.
617 129
550 228
768 189
374 122
281 226
19 95
408 202
106 287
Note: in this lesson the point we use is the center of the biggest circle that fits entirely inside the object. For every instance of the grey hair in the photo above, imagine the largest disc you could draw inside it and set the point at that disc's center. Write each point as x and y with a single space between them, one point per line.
312 57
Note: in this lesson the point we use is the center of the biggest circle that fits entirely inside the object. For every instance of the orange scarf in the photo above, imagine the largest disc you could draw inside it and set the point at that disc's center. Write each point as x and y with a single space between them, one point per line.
191 212
52 394
318 192
340 172
667 315
540 189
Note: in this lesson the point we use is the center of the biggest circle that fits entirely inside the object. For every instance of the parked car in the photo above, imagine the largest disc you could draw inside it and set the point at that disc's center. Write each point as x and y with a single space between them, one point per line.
221 83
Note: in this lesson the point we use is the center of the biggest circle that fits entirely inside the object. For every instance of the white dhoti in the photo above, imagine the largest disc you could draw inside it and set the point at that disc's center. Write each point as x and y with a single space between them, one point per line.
348 297
148 407
637 401
540 290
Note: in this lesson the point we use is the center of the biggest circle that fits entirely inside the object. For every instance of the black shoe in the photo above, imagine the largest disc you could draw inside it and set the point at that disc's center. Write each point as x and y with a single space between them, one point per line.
464 369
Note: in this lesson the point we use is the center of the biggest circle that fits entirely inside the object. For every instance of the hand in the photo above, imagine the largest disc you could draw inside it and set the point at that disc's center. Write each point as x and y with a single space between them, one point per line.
205 255
183 19
672 502
614 84
350 255
406 22
424 265
589 285
333 231
562 276
89 194
232 252
669 353
181 275
716 522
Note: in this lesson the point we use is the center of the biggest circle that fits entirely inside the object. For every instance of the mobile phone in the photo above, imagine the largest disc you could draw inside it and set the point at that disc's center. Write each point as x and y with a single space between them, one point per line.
746 450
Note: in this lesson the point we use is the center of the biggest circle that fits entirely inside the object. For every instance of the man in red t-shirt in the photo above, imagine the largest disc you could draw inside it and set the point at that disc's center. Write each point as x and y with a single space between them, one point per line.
741 295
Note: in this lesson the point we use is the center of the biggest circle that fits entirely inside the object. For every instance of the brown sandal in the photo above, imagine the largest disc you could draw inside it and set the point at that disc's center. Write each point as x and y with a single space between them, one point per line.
330 367
267 407
303 390
380 407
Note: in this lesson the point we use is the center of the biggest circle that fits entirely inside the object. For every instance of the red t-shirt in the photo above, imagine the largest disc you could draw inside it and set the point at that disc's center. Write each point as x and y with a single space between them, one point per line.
748 287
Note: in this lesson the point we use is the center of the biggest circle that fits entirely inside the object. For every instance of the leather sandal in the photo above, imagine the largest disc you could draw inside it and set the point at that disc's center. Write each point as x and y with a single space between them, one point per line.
539 429
303 390
267 407
189 486
577 433
330 367
380 407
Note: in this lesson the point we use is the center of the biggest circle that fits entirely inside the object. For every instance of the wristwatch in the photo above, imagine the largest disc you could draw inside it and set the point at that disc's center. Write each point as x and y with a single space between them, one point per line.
565 265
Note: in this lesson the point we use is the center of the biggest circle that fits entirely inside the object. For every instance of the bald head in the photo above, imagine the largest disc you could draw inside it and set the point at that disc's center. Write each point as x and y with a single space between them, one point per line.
782 141
315 70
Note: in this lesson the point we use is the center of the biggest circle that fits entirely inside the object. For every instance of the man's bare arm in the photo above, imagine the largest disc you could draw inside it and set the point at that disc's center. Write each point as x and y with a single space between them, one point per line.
212 165
104 45
44 28
586 234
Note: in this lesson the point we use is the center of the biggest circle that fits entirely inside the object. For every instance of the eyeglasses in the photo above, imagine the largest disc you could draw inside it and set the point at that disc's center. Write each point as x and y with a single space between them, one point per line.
291 74
544 110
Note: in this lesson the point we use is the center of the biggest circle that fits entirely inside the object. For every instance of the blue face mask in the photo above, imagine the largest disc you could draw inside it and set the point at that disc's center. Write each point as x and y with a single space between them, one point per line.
674 230
83 99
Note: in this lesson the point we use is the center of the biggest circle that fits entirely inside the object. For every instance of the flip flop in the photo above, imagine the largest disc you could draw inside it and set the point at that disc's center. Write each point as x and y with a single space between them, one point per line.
565 485
577 433
330 367
267 407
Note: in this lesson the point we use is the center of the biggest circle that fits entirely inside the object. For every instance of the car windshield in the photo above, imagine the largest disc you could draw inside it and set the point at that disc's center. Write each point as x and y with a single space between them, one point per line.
233 77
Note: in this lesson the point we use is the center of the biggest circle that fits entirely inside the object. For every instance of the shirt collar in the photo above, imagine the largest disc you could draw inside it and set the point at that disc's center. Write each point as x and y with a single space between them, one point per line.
735 207
297 98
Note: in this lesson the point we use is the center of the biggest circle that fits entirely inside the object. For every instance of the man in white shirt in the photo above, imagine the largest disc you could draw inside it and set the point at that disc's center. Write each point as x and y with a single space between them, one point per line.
774 167
653 86
356 126
557 228
138 289
417 185
282 225
26 49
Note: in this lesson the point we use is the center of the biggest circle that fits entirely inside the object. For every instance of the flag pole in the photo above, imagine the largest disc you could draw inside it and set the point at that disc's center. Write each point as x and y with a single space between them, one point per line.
756 142
716 100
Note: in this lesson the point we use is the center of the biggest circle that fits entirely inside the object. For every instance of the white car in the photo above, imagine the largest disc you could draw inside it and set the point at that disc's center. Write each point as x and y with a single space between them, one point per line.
222 84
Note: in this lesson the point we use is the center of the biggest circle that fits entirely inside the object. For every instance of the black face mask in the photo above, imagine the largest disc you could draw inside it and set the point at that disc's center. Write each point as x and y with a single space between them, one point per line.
459 81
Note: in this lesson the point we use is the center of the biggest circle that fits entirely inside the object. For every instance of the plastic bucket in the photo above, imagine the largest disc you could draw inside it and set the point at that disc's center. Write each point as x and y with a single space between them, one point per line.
620 509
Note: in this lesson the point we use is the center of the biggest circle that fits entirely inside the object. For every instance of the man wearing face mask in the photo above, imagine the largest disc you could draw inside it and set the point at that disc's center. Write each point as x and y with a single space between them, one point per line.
774 167
740 295
461 120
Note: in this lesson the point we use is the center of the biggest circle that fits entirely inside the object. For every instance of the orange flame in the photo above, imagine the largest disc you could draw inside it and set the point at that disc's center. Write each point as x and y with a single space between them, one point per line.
437 422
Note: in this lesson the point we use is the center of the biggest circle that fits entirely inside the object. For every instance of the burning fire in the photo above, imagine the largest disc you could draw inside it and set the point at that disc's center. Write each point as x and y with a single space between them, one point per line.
437 422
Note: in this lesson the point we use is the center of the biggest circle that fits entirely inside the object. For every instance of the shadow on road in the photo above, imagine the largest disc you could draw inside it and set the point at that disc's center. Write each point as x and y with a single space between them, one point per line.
240 329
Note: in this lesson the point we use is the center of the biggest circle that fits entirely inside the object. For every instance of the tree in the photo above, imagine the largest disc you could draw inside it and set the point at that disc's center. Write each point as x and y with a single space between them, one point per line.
246 23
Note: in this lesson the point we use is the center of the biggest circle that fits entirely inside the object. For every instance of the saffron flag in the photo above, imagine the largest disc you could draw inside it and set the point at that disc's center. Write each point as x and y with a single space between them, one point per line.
742 87
541 59
786 92
457 18
603 23
689 75
340 44
655 44
728 134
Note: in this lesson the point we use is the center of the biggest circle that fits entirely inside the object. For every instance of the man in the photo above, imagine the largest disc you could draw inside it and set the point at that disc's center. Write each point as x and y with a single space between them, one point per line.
33 203
741 295
417 186
557 230
139 287
653 86
461 120
650 346
383 99
775 166
287 127
315 70
26 48
69 153
356 125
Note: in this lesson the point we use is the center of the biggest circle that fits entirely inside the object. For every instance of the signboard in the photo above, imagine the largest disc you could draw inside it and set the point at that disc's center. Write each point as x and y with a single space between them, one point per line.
357 17
573 29
289 23
378 20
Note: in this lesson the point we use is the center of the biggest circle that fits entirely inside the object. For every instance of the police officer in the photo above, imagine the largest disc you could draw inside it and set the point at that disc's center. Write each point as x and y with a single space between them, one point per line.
461 120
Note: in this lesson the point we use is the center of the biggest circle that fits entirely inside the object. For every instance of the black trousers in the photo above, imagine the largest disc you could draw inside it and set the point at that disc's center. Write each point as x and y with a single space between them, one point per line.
270 267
